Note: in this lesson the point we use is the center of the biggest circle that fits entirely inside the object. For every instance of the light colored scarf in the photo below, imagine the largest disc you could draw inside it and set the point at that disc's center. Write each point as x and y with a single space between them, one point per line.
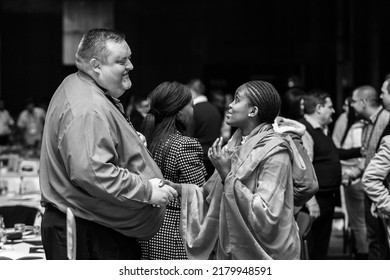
229 219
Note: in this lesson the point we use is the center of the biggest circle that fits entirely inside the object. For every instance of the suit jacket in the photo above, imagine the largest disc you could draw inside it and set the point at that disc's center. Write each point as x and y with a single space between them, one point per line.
375 182
206 124
377 171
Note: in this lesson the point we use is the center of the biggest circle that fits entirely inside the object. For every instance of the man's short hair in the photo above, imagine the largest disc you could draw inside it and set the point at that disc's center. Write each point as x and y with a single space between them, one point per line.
315 97
93 44
370 94
198 86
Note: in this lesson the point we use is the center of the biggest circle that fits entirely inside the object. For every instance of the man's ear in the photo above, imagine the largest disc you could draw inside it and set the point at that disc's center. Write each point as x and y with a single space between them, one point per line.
364 102
95 65
318 108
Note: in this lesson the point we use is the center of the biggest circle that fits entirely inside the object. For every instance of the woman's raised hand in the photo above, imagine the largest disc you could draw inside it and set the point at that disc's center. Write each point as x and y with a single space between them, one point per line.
220 158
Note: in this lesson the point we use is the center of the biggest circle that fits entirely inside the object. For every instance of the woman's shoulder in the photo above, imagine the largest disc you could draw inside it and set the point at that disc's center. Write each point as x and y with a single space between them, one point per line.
277 139
273 143
182 139
179 141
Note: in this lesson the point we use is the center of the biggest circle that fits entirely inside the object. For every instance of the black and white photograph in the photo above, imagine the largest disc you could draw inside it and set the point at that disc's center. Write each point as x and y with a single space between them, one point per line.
164 139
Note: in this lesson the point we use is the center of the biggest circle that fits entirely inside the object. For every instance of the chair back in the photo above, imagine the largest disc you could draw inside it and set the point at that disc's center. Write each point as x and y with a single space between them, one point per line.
304 222
18 214
70 234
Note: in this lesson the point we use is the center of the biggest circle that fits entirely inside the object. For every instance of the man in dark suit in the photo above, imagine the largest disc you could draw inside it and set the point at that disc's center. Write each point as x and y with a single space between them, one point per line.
139 112
206 125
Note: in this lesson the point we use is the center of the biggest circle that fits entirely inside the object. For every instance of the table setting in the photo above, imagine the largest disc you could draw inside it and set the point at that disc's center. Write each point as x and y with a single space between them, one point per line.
22 242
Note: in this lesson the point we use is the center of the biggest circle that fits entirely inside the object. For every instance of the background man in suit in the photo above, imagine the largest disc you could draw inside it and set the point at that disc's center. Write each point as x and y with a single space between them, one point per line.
206 125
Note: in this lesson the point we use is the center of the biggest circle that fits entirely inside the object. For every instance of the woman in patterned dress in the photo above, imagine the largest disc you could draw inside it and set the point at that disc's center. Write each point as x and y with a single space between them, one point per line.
179 158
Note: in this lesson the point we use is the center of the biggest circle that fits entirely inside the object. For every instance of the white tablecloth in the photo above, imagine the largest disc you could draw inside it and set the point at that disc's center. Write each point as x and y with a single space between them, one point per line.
30 246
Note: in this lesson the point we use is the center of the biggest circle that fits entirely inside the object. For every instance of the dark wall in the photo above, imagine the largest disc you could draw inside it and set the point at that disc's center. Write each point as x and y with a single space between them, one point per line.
226 43
30 57
230 41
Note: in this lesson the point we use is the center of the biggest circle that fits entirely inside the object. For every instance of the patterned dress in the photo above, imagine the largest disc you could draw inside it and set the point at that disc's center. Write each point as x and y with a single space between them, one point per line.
180 159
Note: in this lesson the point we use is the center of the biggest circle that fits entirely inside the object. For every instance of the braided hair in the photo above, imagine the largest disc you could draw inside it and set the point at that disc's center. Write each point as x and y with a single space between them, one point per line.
264 96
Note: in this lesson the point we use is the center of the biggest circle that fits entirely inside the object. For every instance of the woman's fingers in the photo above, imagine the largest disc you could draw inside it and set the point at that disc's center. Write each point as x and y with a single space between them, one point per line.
214 147
219 145
215 151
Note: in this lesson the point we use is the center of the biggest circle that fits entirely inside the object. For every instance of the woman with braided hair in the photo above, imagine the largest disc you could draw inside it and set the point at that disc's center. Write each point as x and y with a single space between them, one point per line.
245 210
179 157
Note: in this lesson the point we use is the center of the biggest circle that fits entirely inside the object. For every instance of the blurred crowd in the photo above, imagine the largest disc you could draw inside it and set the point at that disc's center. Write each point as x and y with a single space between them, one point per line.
23 136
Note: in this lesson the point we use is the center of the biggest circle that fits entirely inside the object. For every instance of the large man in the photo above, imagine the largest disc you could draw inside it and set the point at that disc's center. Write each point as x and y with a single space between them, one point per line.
206 124
326 162
366 103
94 162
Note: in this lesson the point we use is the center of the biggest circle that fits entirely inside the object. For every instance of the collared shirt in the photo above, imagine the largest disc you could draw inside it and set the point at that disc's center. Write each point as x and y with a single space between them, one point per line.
372 132
93 161
307 140
374 116
200 99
